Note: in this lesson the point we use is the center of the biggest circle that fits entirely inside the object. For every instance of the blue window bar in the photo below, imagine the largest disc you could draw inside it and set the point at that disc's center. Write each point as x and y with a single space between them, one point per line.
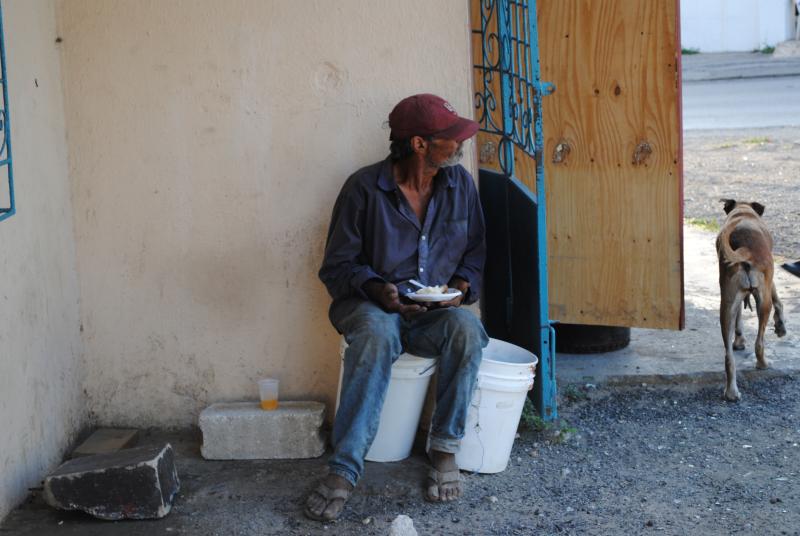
508 96
7 206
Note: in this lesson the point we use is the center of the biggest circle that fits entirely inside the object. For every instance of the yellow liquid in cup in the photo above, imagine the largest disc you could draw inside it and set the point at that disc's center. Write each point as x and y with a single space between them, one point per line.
269 404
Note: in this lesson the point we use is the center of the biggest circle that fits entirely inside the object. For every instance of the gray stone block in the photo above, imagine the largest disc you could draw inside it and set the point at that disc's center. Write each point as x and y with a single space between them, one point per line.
137 483
244 431
105 440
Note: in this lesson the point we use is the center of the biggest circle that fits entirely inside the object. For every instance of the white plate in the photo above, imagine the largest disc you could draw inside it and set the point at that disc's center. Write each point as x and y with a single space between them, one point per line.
447 296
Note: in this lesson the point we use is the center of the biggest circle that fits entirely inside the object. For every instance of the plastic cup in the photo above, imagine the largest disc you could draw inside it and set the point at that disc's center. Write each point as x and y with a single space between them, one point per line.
268 390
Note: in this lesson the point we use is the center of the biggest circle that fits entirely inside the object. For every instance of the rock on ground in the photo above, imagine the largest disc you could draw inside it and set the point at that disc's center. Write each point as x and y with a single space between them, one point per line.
137 483
402 526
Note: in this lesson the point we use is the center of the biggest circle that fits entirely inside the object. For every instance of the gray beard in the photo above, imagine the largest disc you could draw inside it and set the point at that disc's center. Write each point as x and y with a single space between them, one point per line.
453 160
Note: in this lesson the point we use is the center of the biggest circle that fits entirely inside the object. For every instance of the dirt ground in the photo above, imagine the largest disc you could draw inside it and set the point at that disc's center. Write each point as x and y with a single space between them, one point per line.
624 460
642 459
755 165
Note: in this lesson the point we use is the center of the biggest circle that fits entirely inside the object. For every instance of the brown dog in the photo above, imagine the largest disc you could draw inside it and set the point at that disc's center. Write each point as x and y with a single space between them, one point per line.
744 248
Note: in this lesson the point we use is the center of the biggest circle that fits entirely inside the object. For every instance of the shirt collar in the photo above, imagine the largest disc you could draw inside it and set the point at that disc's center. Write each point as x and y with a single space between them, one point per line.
387 183
385 179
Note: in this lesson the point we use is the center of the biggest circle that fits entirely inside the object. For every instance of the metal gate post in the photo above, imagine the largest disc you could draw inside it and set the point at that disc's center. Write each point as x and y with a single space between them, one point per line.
546 393
521 91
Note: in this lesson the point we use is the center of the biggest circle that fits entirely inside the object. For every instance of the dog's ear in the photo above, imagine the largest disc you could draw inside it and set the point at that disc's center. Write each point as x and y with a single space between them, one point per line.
758 207
729 204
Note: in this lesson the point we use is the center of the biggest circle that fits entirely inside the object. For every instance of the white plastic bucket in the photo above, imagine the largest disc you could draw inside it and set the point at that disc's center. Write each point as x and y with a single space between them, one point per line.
402 407
504 379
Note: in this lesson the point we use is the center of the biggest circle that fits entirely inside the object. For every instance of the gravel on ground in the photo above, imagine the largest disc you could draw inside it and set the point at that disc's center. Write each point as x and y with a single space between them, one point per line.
753 165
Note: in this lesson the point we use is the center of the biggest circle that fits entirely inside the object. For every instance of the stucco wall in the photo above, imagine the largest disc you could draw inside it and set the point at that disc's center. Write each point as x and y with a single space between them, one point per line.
208 141
735 25
41 401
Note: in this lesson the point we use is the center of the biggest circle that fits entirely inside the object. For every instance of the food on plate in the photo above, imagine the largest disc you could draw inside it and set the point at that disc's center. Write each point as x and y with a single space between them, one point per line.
436 289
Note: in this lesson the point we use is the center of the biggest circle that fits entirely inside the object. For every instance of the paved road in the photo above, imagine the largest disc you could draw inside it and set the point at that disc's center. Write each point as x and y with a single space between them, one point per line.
745 103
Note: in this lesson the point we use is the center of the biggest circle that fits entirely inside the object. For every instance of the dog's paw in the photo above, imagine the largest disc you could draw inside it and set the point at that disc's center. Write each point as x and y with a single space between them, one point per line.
780 329
732 395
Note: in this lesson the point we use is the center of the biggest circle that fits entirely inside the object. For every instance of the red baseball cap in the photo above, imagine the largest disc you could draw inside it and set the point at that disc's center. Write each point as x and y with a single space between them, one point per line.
429 115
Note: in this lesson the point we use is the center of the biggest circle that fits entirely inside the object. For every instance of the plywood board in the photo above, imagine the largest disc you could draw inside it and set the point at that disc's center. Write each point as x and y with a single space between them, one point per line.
614 201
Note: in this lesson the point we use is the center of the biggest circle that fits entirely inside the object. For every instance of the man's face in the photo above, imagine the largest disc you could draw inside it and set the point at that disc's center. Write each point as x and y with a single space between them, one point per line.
443 152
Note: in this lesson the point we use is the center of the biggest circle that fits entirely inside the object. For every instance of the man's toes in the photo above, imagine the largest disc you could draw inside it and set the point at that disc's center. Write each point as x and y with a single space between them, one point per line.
433 493
333 509
447 495
315 503
452 492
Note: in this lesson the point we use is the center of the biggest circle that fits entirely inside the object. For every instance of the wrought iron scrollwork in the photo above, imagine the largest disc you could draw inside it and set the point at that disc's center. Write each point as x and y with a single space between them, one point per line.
3 135
508 53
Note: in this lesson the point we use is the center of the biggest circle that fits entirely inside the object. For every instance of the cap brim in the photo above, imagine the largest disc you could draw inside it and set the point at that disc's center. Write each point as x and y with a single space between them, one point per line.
461 130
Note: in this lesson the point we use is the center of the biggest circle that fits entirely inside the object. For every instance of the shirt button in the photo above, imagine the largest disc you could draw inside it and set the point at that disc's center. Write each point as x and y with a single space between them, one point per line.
423 237
421 269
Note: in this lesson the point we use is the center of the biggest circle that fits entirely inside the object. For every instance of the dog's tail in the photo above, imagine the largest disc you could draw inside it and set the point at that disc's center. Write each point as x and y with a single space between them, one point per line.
731 256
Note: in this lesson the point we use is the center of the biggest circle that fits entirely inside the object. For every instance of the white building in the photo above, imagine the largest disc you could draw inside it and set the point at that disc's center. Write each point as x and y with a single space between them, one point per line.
735 25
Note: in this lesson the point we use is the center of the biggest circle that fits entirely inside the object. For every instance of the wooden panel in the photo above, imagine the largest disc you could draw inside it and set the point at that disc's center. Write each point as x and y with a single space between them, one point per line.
614 214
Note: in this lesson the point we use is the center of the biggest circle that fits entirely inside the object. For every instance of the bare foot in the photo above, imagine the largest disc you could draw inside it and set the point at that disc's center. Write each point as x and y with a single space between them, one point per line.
444 481
326 502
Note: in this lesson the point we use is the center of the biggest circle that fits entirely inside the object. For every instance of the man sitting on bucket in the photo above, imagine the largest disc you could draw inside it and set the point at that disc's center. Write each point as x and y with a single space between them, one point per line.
415 215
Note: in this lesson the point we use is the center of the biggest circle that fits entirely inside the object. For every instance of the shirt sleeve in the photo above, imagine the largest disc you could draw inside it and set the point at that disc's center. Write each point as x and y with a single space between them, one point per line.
342 271
470 268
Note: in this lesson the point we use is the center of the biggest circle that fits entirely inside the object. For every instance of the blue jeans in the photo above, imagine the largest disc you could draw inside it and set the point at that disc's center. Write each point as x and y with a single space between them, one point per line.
376 339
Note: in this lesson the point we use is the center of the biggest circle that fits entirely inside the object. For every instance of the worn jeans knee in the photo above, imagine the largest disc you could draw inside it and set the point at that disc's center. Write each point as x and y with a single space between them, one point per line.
458 337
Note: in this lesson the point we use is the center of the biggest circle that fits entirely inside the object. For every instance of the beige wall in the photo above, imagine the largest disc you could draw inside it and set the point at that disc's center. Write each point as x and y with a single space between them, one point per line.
41 402
208 141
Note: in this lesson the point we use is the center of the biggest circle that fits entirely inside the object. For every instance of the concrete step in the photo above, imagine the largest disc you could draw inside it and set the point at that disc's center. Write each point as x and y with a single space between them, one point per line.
244 431
105 440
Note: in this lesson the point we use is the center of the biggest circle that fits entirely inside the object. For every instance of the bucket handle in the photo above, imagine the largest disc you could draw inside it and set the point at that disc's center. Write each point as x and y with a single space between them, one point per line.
436 362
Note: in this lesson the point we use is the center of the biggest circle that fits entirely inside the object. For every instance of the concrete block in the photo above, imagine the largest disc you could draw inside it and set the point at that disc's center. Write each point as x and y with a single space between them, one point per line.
135 483
244 431
105 440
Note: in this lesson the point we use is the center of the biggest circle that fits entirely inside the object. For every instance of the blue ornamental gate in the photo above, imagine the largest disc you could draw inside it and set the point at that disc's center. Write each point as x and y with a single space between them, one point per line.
510 143
7 207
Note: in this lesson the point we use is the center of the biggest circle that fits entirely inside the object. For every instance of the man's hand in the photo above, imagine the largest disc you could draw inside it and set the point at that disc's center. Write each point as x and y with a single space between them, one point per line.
386 295
461 285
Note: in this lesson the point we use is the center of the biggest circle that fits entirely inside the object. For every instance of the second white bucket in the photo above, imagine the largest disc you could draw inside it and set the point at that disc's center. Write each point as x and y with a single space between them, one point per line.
505 376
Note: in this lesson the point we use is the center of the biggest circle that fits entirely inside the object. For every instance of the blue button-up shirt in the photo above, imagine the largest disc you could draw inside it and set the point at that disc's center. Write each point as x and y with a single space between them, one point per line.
375 234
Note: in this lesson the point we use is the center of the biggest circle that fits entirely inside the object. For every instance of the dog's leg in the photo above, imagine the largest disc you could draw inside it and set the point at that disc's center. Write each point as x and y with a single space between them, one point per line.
780 326
763 309
739 341
730 303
